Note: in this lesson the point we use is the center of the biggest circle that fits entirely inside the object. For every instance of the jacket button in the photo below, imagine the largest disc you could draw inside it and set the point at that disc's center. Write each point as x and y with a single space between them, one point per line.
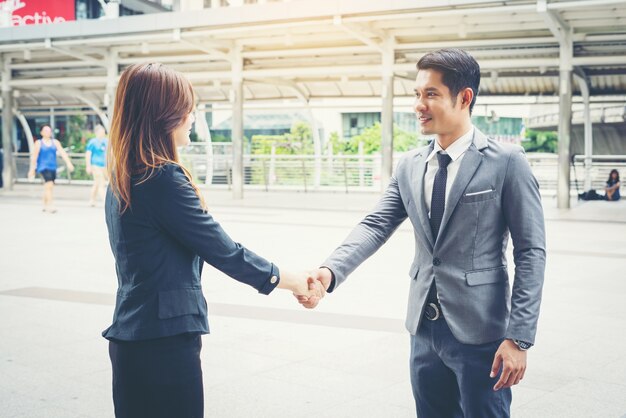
436 261
273 280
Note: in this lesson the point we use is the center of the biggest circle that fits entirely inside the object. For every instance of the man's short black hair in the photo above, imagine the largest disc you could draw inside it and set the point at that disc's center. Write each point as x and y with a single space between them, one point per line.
458 68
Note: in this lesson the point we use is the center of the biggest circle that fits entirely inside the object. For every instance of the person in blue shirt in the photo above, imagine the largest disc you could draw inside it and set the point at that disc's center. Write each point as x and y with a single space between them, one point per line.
96 163
44 161
612 186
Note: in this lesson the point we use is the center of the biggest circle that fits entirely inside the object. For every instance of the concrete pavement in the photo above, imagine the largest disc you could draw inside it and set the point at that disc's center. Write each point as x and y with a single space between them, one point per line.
267 357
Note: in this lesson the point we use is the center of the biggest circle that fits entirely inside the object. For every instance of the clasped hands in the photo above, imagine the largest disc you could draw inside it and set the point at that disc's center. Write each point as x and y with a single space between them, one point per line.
308 288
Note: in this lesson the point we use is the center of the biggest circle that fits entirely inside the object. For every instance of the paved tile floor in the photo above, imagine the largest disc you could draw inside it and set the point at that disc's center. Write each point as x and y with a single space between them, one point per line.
267 357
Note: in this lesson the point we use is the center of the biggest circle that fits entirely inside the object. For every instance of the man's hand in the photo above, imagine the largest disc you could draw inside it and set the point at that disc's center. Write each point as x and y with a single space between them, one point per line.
512 360
299 284
70 167
317 291
318 279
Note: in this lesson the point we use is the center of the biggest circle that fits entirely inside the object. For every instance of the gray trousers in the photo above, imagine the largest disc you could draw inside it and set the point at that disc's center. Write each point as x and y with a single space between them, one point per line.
451 379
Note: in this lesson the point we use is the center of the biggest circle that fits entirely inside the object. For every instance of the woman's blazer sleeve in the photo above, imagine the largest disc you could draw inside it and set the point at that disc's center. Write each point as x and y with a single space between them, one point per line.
175 208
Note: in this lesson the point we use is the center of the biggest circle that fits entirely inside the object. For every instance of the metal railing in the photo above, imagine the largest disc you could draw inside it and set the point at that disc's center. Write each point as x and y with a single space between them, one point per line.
545 168
344 173
607 114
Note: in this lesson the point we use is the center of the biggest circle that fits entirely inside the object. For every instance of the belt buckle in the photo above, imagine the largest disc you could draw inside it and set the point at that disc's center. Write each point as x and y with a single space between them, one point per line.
429 312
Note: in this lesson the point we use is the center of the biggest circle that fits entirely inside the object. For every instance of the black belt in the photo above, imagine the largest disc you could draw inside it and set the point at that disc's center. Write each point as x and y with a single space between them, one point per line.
433 311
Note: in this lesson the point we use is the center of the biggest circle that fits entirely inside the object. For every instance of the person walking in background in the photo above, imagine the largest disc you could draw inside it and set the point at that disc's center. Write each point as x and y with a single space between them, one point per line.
161 234
44 161
612 186
95 159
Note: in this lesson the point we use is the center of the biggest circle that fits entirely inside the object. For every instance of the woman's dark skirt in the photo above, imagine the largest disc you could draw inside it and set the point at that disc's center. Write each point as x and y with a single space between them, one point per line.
159 378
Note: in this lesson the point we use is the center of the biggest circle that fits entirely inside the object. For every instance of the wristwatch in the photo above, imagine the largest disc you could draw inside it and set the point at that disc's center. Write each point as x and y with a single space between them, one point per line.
522 345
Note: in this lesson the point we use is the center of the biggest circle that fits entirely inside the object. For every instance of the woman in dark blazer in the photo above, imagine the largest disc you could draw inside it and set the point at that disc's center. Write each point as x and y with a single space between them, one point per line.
161 234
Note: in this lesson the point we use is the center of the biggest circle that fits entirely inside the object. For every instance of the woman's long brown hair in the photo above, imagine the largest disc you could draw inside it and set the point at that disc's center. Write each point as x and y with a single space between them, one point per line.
151 101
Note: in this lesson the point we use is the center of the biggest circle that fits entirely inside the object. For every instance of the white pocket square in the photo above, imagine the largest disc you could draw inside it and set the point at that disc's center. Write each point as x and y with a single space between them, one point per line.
481 192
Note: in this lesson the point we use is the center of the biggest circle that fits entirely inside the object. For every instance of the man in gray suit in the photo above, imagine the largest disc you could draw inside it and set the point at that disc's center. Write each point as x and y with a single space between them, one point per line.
464 194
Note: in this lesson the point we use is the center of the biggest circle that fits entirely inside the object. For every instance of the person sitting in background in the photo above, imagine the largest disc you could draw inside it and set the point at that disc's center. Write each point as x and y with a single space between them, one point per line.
612 186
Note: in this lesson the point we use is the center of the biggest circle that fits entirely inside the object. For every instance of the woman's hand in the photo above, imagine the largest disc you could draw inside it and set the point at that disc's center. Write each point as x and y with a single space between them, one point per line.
300 284
320 279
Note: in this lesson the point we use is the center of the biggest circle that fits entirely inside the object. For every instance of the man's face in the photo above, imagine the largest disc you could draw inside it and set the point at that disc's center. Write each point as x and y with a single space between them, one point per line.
436 110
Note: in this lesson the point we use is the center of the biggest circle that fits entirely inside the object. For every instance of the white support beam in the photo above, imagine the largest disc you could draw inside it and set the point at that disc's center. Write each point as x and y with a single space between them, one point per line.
237 123
584 3
445 12
212 52
599 61
300 92
26 128
583 83
111 83
49 65
320 71
475 43
387 93
357 33
563 33
309 52
58 81
512 63
208 40
66 51
186 58
7 122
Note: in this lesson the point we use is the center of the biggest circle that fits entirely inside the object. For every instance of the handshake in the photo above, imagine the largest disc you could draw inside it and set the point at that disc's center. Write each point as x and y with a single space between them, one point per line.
308 288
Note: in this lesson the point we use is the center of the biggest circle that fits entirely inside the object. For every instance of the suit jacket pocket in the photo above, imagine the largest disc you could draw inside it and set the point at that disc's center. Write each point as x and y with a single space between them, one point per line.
486 276
415 268
179 302
478 196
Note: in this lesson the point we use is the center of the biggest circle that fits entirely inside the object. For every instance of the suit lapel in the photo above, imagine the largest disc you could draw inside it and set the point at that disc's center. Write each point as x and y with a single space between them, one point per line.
469 164
417 180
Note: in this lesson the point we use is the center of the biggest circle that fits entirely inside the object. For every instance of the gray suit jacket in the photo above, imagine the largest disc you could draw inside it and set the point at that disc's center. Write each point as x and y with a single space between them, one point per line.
493 196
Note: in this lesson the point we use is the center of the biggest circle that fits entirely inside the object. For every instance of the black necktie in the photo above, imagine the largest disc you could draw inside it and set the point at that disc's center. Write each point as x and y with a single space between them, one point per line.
438 201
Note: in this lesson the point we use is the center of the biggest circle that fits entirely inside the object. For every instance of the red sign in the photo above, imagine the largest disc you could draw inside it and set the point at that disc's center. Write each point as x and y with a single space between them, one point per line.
36 12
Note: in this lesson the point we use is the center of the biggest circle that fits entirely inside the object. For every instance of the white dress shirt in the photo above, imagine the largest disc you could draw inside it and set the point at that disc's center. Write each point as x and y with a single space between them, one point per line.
456 150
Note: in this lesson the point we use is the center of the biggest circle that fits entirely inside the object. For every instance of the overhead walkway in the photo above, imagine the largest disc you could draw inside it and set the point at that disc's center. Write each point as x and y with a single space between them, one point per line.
304 51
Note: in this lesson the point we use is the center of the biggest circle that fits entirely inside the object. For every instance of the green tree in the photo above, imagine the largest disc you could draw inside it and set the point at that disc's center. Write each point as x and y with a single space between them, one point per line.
371 138
541 141
76 134
337 143
301 138
298 141
220 138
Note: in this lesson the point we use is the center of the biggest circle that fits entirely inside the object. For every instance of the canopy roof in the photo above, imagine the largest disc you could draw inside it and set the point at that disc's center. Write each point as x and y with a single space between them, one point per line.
315 49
